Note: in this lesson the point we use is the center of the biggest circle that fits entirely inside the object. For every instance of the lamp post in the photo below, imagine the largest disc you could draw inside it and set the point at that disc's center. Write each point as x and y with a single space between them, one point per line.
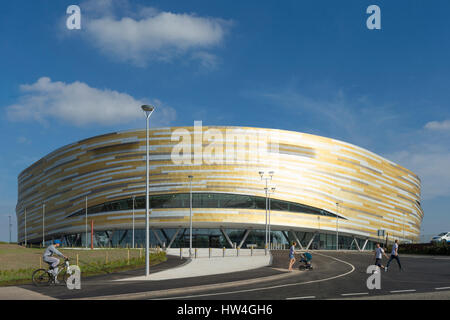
261 173
86 222
43 225
272 191
148 112
403 227
134 197
10 226
25 227
337 225
190 215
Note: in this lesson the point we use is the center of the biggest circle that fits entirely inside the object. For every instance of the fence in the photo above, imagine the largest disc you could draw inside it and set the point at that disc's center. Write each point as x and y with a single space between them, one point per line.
215 252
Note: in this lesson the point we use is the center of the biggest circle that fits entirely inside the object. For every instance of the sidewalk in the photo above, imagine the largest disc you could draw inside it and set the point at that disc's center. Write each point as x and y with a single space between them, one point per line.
204 266
17 293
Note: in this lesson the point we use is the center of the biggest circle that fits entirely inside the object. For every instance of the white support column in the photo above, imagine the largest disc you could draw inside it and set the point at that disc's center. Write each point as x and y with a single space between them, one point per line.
296 238
357 244
226 237
311 241
173 238
364 246
244 238
157 237
285 235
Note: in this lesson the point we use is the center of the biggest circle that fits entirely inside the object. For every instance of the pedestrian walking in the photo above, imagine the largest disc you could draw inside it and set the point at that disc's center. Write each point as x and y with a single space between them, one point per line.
292 256
379 252
394 255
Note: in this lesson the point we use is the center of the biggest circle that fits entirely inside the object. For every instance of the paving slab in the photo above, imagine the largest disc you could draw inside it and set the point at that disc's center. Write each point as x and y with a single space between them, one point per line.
208 266
18 293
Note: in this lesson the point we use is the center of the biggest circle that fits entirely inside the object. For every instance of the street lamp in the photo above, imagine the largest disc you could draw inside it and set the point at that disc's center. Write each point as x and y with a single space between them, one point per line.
404 227
261 173
190 215
43 225
25 227
134 197
148 112
10 226
272 191
337 224
85 222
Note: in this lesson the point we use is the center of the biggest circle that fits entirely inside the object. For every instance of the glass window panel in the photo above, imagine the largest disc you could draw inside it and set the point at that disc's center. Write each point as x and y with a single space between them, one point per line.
204 200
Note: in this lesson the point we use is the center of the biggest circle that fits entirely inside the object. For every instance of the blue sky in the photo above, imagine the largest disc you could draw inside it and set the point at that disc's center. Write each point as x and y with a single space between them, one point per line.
309 66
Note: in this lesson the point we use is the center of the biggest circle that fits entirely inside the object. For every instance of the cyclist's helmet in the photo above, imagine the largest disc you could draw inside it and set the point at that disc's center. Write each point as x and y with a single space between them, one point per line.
57 241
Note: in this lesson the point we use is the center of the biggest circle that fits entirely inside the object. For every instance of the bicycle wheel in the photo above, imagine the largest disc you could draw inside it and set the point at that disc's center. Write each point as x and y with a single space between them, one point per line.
63 275
41 278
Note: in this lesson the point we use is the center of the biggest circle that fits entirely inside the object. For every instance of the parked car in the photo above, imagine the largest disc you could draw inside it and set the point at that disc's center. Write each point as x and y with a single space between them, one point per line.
444 236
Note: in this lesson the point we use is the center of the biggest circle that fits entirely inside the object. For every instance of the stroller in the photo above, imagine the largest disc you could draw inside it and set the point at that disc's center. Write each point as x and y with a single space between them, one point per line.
305 261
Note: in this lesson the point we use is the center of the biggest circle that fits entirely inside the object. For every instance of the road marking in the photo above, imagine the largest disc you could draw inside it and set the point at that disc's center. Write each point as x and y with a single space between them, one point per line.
272 287
443 288
399 291
298 298
354 294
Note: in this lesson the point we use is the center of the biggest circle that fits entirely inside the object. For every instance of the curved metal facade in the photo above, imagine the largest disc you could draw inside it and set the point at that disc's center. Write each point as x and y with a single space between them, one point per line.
373 193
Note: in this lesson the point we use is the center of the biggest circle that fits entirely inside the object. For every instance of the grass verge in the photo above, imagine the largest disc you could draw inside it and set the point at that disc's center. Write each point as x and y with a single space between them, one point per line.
88 268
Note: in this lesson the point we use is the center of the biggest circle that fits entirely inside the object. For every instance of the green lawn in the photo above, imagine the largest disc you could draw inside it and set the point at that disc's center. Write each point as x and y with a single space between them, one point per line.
18 263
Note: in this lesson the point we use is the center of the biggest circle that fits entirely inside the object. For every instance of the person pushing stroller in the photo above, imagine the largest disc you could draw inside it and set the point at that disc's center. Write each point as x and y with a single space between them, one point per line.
305 261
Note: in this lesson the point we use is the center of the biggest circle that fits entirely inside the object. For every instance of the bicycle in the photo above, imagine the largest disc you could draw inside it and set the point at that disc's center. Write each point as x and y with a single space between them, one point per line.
42 277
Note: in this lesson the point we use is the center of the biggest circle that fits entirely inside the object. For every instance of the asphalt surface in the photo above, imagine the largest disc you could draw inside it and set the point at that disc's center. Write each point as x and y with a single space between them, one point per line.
104 285
336 275
346 279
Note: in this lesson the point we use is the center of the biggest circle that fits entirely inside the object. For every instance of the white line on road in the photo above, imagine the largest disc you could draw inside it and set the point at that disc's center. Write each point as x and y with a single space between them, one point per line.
443 288
269 288
298 298
400 291
354 294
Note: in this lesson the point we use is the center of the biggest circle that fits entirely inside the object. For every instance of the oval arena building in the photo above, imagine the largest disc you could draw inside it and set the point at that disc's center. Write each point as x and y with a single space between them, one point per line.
318 189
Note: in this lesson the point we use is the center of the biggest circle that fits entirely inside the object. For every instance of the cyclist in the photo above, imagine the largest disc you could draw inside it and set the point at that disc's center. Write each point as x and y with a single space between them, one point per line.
51 260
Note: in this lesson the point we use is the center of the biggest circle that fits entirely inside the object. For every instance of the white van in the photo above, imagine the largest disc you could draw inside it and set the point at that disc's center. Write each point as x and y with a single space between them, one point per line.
441 237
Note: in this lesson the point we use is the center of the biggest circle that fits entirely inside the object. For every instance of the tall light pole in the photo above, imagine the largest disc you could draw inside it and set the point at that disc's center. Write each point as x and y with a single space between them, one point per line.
272 191
86 222
25 227
261 173
10 227
148 112
190 215
404 227
134 197
337 225
43 225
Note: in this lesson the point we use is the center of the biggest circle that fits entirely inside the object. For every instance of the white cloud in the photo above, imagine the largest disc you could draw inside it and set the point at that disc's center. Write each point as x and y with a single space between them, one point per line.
436 125
23 140
207 60
378 127
147 34
431 165
79 104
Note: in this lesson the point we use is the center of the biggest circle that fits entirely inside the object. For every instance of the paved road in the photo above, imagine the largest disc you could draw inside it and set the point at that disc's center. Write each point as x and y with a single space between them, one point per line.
336 275
104 285
343 275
